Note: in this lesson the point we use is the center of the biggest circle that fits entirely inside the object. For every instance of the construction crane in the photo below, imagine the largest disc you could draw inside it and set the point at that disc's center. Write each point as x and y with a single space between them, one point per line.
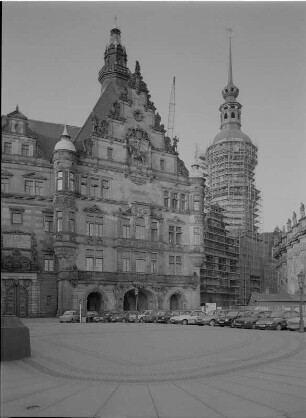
171 113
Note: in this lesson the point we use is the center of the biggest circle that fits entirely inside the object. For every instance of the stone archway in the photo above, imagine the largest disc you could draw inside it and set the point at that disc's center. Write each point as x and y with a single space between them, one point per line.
95 302
145 300
175 300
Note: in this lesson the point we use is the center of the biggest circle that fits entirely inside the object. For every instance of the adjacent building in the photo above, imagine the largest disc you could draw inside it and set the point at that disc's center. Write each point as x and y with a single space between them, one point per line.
105 216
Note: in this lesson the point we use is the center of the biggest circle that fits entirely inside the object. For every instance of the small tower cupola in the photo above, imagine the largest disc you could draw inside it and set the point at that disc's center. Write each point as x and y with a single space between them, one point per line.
17 122
230 109
65 143
115 59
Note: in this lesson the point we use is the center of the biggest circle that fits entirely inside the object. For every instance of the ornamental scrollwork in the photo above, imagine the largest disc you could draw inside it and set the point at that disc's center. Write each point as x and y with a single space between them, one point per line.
95 209
64 201
115 112
16 262
138 115
124 95
99 127
137 133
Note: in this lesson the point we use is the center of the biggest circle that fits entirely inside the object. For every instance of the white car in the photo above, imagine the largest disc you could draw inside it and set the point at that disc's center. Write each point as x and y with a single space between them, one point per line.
294 323
186 318
69 316
142 314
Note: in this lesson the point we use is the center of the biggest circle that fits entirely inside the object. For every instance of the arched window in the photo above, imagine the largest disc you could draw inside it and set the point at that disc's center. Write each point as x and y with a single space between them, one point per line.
225 116
232 115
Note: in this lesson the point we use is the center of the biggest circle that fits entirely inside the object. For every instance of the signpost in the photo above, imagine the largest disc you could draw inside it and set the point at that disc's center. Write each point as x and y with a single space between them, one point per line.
80 303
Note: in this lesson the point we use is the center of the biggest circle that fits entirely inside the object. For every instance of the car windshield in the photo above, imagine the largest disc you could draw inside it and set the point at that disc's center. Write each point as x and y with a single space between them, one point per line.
276 314
232 313
186 313
69 313
175 313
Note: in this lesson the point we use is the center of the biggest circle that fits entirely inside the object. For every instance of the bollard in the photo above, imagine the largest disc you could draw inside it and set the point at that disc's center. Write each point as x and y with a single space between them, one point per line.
15 339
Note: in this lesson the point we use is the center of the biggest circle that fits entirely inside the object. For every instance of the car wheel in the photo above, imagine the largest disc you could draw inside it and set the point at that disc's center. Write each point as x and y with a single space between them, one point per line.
185 322
212 323
232 325
278 327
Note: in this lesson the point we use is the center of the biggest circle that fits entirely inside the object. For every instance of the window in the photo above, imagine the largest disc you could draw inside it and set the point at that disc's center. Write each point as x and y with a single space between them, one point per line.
175 235
154 231
94 226
94 260
232 115
174 201
34 187
126 231
196 203
8 148
153 263
182 202
59 221
140 229
25 150
175 264
126 264
71 185
94 188
196 236
71 222
49 262
162 165
225 116
39 188
48 223
4 184
105 189
84 186
166 199
16 217
59 180
140 263
29 187
110 153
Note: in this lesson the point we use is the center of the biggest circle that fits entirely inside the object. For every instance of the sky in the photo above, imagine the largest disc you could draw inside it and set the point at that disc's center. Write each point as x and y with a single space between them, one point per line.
52 52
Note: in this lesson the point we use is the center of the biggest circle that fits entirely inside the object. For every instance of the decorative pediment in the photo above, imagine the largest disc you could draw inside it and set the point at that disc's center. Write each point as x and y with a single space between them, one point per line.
35 176
137 133
95 210
5 173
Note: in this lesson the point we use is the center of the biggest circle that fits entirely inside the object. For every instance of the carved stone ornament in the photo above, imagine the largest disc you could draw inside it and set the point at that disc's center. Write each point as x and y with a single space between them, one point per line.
99 127
88 145
157 125
138 115
140 211
64 201
182 170
115 112
138 179
74 283
95 210
198 219
16 262
124 95
137 151
175 219
137 133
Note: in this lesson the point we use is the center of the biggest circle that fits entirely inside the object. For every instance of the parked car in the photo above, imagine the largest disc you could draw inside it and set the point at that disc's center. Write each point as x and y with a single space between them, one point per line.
294 323
133 316
276 320
150 317
119 317
143 313
250 320
186 318
211 318
103 317
69 316
90 315
163 317
230 316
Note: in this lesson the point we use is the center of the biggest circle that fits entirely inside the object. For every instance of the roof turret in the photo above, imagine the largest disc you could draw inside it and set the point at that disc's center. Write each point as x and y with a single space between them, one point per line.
65 143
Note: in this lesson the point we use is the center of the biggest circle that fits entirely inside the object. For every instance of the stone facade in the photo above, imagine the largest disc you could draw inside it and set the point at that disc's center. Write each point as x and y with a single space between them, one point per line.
96 213
290 253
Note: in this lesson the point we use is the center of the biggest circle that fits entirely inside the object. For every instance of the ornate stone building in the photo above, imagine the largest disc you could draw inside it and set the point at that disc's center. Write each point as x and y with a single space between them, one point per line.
103 214
290 253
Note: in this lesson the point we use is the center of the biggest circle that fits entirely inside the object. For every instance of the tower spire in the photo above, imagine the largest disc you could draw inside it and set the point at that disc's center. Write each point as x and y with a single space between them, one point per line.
230 70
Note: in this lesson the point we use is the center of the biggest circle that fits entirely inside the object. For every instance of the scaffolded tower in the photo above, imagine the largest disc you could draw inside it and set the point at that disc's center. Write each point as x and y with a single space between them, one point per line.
230 163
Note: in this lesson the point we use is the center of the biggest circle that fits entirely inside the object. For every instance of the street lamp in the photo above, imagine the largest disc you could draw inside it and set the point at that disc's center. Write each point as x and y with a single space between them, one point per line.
136 298
301 280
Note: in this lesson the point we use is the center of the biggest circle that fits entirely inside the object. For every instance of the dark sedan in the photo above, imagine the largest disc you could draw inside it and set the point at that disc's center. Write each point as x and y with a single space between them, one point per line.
228 319
250 320
163 317
120 317
152 317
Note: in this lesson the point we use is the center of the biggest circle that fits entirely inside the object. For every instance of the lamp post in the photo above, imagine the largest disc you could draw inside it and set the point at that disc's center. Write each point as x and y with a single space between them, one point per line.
136 298
301 280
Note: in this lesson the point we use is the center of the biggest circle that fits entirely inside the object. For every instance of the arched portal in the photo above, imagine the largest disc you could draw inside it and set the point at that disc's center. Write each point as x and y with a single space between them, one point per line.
176 302
95 302
145 300
16 301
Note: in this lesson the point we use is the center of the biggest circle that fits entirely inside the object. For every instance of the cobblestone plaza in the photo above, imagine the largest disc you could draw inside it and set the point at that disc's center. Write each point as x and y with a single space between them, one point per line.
136 370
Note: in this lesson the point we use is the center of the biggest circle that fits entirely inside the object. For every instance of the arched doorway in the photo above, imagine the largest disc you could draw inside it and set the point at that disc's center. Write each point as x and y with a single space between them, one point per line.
145 300
95 302
16 301
176 302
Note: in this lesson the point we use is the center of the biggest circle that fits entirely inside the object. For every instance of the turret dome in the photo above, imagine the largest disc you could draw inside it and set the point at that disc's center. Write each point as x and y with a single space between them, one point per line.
64 143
